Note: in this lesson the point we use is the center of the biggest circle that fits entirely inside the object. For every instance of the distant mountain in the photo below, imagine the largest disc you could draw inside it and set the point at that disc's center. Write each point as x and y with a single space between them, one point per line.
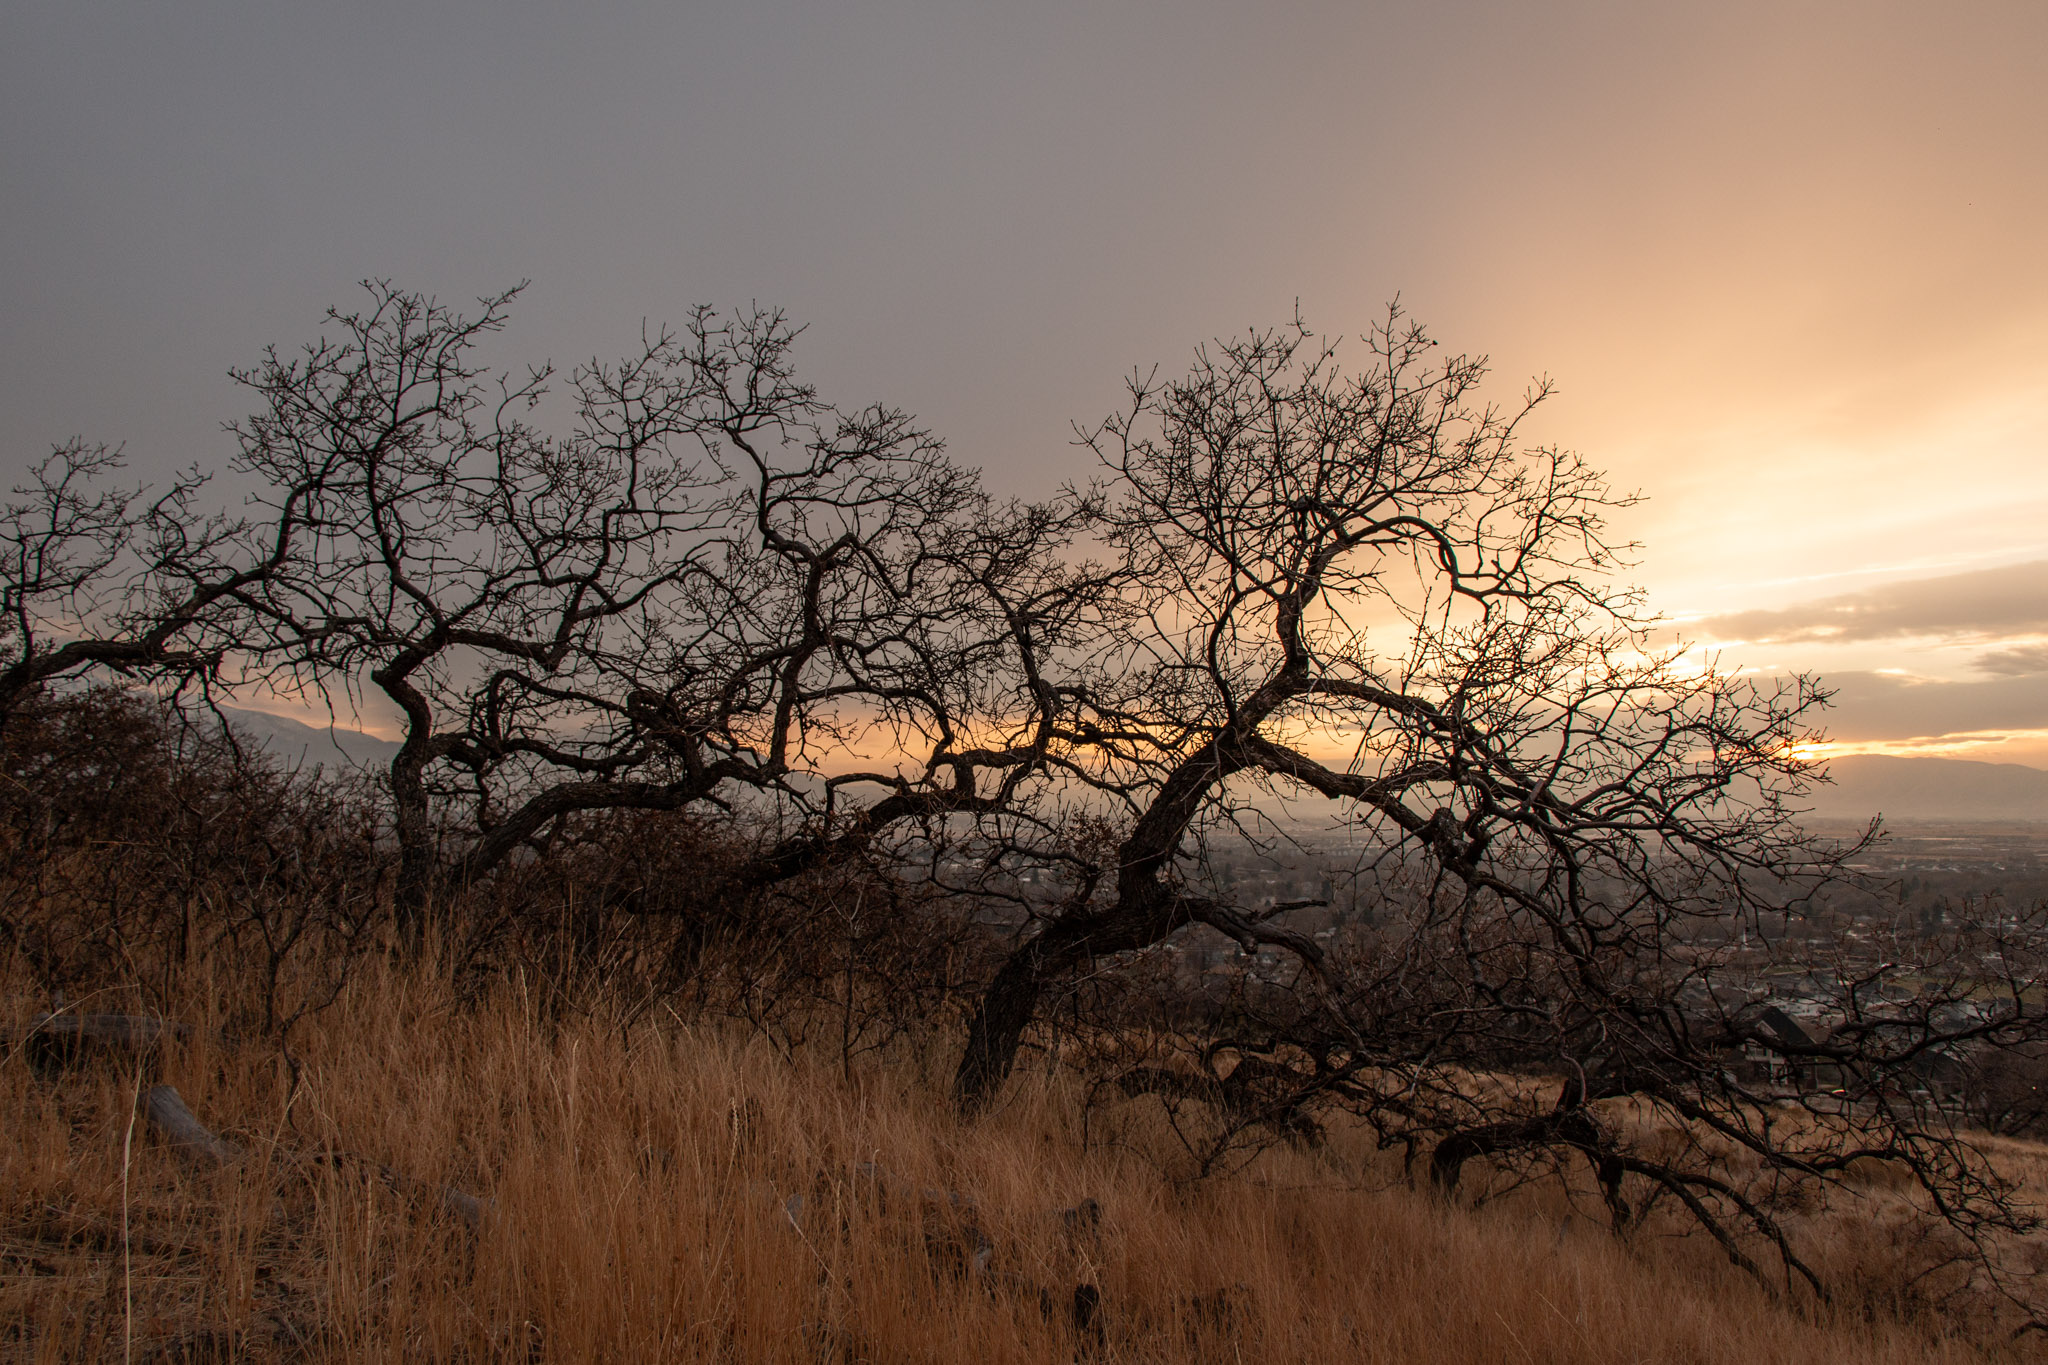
297 745
1931 789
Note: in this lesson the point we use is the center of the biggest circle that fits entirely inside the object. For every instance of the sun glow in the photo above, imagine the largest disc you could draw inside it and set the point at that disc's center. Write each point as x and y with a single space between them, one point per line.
1818 751
1984 745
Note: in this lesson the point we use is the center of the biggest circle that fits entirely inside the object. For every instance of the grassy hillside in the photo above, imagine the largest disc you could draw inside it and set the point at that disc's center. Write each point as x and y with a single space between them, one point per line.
663 1189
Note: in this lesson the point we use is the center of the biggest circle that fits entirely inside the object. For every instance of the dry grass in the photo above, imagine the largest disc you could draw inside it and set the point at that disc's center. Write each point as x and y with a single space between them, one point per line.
644 1178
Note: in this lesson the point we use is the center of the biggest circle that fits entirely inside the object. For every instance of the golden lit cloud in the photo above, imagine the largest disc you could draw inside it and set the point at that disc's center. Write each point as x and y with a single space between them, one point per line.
1961 744
1986 604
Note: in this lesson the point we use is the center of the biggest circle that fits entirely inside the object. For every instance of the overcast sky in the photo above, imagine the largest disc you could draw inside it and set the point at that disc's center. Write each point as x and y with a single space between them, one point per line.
1785 262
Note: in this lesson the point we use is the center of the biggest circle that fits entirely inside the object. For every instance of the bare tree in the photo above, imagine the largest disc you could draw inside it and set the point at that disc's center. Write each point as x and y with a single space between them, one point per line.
713 583
1370 560
97 577
1359 589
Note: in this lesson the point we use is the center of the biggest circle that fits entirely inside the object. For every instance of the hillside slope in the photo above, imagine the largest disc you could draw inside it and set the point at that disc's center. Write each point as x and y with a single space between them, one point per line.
660 1191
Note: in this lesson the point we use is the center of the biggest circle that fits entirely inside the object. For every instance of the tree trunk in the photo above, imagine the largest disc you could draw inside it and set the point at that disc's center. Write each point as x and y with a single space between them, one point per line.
1145 912
997 1030
419 860
419 869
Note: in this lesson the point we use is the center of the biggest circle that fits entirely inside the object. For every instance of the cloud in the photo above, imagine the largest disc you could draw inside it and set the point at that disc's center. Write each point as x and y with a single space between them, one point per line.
1985 604
1876 712
1997 746
2017 662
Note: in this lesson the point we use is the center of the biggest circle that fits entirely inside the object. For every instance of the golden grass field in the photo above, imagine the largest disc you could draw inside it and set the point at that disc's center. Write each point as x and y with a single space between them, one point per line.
663 1191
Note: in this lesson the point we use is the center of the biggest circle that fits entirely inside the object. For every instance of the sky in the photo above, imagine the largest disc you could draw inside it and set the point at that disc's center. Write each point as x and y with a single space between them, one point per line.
1784 262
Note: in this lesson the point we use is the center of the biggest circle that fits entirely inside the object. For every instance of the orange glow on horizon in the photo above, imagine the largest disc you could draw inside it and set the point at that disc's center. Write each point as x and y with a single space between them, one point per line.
1982 745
